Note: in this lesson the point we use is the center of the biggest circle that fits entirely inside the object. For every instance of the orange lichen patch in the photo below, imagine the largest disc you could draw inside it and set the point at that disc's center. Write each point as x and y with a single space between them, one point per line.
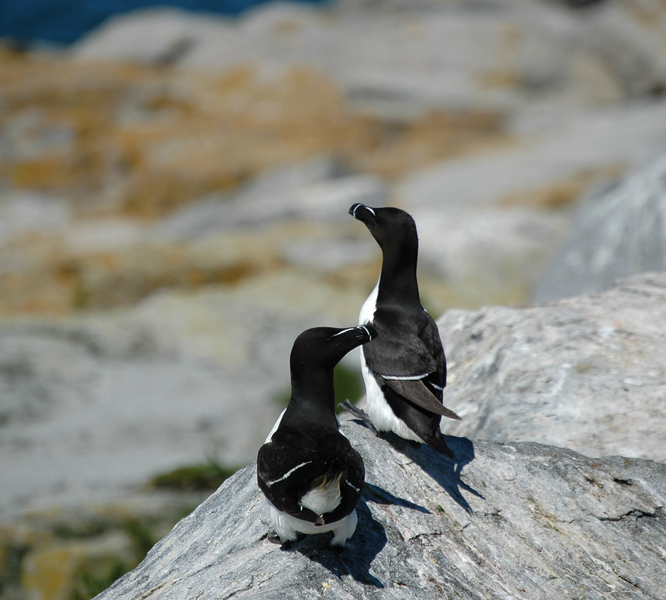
40 275
647 13
506 73
559 194
397 148
170 135
149 196
499 79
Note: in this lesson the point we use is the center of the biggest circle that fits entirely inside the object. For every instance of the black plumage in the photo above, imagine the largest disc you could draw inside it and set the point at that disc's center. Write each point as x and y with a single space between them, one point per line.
404 369
308 470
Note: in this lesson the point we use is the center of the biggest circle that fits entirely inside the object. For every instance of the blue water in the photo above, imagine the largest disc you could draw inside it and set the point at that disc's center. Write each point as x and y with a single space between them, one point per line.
65 21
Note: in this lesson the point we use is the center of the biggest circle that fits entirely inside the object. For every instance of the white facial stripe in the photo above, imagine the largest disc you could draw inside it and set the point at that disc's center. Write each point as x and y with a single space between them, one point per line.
406 377
437 387
287 474
343 331
372 211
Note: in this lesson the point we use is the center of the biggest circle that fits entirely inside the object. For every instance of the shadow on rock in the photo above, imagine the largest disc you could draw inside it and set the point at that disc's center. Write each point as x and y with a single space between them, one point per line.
356 557
374 493
442 469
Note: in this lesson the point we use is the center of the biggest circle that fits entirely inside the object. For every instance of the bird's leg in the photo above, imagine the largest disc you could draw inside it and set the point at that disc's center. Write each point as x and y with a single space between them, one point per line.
273 538
359 414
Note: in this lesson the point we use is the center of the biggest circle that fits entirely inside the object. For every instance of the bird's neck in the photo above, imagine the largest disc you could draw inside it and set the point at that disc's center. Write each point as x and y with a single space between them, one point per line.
397 280
313 399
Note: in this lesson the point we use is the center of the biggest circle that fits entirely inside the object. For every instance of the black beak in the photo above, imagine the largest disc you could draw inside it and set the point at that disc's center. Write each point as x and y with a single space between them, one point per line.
369 331
361 212
361 334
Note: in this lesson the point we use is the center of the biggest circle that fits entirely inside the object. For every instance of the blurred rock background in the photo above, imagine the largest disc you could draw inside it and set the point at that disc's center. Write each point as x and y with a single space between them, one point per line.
174 189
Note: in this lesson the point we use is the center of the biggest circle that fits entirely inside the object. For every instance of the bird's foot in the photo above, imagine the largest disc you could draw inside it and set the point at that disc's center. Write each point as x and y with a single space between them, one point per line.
359 414
274 538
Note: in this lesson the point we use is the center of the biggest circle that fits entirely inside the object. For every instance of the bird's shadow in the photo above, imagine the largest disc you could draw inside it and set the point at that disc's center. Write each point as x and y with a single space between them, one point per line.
356 557
442 469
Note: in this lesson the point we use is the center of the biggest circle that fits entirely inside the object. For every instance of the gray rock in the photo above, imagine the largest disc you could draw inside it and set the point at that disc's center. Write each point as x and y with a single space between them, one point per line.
630 36
616 233
488 255
24 213
508 521
317 190
151 36
587 373
558 150
406 59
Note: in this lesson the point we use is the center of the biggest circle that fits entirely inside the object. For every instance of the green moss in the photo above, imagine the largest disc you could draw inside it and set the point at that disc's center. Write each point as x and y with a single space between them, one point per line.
193 478
141 536
97 577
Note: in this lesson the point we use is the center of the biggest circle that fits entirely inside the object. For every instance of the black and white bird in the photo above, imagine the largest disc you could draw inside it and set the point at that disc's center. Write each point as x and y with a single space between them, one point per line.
308 470
404 369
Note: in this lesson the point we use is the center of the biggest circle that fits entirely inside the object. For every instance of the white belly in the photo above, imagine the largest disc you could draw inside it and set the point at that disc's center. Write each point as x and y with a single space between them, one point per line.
288 527
379 411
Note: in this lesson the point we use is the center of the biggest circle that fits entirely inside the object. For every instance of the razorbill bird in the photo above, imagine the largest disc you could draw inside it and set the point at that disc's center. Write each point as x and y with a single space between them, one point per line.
404 369
307 469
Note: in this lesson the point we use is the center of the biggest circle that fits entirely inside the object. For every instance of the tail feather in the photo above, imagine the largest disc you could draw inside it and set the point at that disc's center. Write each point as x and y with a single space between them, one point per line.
436 442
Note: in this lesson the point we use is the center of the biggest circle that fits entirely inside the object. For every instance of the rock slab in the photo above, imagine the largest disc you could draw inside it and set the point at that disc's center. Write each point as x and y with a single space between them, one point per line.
586 373
507 521
616 233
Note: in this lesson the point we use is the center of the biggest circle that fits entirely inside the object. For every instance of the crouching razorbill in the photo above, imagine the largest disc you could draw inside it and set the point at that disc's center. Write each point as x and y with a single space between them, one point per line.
308 470
404 369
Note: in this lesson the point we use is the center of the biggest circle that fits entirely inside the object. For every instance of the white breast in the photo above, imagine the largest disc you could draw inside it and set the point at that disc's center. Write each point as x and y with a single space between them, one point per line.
379 412
369 307
275 427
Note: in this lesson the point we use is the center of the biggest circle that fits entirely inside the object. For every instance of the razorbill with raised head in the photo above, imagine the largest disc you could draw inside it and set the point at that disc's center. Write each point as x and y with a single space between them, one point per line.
404 369
307 469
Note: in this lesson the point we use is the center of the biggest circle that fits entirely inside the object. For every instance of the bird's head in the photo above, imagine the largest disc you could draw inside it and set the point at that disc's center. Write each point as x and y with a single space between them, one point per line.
388 225
324 347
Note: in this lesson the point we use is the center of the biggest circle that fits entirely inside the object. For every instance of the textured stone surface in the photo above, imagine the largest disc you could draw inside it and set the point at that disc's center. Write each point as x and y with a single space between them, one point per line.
508 521
616 233
586 373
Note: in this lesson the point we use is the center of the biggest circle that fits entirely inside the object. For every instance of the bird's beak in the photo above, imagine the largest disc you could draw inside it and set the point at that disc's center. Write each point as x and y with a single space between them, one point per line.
362 212
360 334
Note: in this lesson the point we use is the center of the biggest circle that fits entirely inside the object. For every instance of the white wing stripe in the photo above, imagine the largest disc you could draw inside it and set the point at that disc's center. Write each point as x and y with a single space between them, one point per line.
287 474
